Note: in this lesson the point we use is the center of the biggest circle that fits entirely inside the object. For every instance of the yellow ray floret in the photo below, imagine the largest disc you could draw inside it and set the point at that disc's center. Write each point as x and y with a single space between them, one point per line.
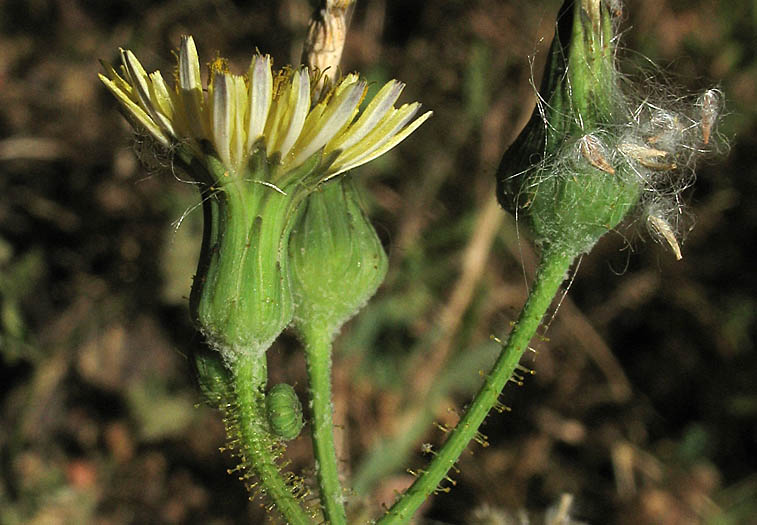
239 113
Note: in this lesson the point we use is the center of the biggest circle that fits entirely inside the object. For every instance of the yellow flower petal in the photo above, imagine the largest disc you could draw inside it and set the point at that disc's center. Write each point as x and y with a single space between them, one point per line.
190 86
376 110
142 118
392 122
386 145
239 108
340 110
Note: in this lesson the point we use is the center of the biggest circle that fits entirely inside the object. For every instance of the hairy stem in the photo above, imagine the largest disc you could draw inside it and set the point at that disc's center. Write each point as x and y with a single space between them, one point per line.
548 279
257 448
318 356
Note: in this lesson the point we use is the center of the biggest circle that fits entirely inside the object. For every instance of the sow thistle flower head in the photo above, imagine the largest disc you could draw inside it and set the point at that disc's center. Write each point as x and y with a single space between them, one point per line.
280 112
258 144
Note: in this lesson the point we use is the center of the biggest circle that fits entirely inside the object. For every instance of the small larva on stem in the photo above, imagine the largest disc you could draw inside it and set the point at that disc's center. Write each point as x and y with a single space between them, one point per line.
284 411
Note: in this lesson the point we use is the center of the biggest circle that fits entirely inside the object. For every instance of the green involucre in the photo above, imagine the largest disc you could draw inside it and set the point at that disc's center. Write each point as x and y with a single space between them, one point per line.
337 260
241 296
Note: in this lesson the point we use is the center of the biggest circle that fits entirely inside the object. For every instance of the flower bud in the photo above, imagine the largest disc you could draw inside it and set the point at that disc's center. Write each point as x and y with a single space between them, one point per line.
337 260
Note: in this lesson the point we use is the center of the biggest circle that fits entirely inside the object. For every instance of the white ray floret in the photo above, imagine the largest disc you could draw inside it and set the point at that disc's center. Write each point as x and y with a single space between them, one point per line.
260 94
222 117
298 107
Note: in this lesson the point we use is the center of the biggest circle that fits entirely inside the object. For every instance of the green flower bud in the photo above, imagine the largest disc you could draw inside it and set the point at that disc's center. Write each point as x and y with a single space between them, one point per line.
563 173
337 260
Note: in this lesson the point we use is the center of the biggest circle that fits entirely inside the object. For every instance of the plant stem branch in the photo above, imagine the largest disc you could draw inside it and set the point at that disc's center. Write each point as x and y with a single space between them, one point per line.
548 279
258 450
318 357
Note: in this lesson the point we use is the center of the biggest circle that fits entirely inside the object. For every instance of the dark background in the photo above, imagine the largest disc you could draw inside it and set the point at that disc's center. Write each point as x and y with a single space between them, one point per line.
644 400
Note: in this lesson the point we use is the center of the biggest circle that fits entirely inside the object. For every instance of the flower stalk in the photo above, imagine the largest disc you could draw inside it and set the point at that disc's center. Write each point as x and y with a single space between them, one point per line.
318 351
567 211
257 450
548 279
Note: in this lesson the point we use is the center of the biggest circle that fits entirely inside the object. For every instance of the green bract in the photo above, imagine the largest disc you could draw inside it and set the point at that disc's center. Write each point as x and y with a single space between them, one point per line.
337 260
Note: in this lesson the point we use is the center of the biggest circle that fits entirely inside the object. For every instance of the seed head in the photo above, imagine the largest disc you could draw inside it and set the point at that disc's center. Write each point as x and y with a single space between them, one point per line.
594 150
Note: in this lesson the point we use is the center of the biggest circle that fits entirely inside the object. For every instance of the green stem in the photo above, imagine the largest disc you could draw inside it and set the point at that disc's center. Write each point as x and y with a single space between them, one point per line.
548 279
318 357
258 450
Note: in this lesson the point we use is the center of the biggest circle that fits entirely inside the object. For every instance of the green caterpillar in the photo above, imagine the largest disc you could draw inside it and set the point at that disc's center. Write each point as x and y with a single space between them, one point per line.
284 411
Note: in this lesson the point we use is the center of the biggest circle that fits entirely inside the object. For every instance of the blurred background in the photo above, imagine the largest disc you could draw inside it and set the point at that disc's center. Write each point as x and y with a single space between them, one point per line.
643 406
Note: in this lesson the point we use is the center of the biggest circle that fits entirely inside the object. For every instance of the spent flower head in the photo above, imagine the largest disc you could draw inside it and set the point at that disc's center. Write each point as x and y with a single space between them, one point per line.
595 149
